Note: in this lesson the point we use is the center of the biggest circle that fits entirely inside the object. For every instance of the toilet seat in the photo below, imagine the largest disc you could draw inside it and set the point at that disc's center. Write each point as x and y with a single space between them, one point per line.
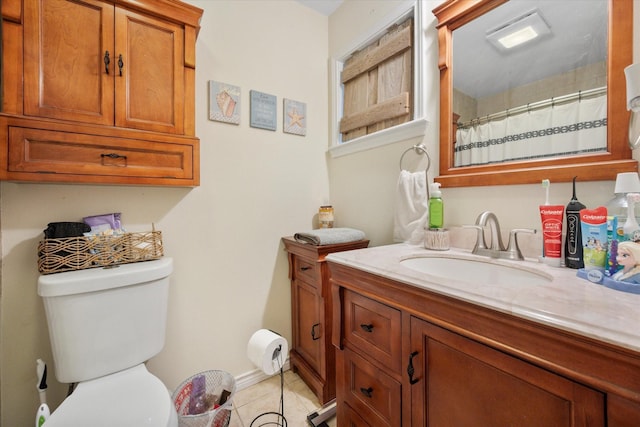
130 398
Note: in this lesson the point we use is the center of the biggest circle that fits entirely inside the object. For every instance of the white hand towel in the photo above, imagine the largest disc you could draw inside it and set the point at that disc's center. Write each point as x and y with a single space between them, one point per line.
411 208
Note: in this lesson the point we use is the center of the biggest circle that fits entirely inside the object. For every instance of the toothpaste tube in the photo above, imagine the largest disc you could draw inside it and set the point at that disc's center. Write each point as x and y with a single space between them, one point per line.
594 238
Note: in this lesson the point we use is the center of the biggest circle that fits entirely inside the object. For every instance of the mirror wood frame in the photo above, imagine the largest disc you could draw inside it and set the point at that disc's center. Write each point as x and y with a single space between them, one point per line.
592 167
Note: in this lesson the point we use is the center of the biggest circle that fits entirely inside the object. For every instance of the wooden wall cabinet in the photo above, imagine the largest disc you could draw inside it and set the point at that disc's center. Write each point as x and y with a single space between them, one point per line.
122 71
312 355
410 357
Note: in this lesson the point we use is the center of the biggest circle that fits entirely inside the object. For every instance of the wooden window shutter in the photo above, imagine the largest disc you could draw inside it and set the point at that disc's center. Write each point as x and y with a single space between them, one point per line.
378 84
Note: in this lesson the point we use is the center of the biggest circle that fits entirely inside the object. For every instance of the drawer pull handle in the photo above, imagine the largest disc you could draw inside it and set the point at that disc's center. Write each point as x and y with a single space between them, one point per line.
410 369
367 328
366 391
113 156
313 332
305 268
107 61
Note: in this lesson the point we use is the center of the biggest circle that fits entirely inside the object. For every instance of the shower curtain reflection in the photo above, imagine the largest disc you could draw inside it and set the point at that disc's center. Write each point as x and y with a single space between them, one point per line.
575 127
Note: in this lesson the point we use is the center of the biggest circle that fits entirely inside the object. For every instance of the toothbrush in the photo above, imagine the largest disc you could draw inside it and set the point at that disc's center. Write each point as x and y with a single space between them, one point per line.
546 184
43 412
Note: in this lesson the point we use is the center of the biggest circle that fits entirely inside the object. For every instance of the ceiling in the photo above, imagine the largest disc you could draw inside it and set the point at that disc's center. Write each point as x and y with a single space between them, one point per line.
325 7
578 38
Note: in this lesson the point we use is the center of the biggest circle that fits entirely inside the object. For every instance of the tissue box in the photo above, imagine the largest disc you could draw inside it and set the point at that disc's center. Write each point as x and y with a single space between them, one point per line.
80 253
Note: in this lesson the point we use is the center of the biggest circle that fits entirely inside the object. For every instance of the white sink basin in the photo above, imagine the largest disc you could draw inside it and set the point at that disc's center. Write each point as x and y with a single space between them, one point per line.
475 271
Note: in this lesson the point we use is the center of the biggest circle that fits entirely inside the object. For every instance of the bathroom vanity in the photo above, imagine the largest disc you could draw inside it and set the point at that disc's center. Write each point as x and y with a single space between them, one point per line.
418 349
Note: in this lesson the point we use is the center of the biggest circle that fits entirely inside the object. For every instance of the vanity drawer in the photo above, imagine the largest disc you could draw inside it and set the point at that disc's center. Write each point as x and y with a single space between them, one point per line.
374 329
307 271
372 393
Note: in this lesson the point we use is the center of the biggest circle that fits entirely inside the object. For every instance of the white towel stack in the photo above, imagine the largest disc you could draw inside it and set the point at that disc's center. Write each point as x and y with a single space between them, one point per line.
411 208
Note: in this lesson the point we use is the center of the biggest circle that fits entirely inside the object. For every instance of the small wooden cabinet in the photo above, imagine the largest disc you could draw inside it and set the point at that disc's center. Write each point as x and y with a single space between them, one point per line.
105 92
410 357
312 356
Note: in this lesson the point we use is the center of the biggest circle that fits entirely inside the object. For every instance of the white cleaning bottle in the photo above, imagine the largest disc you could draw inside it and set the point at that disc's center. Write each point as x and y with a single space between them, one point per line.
631 228
43 412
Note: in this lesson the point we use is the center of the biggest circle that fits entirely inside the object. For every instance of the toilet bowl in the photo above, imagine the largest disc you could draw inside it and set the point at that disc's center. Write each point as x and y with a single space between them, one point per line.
104 324
130 398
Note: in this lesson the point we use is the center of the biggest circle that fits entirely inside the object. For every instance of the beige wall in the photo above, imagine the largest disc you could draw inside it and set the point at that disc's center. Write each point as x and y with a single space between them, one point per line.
230 274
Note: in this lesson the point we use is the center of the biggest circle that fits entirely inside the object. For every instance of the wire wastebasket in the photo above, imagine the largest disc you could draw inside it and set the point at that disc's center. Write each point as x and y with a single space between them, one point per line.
204 399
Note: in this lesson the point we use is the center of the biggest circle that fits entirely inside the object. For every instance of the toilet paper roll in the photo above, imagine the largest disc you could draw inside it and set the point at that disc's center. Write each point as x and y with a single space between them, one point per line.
267 350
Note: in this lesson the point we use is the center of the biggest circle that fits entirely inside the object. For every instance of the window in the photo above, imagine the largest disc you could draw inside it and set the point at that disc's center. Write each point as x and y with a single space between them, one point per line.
378 96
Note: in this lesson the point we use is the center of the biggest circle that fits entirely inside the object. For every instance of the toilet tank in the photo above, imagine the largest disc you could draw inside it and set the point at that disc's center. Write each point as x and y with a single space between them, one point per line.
104 320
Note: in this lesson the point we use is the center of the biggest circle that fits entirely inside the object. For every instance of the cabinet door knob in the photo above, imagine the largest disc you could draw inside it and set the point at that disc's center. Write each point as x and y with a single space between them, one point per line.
305 268
120 64
366 391
367 327
410 369
313 332
107 61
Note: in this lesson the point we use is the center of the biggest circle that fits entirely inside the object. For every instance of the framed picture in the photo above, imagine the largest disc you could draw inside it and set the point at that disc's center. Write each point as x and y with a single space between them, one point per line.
224 102
263 110
294 117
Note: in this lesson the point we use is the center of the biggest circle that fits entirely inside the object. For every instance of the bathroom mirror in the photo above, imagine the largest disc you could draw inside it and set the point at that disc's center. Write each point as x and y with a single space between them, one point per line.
588 164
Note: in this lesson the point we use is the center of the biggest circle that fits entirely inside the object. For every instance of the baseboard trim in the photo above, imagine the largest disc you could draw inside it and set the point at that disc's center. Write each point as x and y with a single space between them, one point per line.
250 378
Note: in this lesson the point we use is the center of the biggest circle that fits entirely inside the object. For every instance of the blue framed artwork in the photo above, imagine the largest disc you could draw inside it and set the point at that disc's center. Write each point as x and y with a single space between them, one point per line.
224 102
263 110
294 117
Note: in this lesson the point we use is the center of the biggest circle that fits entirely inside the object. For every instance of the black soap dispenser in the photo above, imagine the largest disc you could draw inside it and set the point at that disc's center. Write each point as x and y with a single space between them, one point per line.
573 240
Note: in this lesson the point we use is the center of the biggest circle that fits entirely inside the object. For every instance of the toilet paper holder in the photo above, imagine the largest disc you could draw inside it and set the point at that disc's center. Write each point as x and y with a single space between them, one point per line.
267 349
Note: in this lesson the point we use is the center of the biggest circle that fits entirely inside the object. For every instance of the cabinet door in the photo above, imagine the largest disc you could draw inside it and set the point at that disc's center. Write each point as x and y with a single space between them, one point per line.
309 333
461 382
149 82
64 72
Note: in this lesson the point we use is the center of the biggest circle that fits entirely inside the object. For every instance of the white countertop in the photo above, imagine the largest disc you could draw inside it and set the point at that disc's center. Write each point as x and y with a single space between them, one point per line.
565 302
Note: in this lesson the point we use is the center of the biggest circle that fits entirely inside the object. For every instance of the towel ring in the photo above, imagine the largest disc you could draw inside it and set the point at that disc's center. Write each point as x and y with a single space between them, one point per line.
419 149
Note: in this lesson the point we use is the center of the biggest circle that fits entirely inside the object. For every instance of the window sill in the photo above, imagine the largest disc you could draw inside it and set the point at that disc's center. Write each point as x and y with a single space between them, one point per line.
412 129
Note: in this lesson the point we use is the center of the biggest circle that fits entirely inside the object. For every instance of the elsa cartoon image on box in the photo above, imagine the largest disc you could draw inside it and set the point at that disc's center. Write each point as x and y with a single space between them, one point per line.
629 258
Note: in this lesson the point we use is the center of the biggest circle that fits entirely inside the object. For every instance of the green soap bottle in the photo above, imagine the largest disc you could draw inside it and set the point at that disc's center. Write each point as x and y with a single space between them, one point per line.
436 207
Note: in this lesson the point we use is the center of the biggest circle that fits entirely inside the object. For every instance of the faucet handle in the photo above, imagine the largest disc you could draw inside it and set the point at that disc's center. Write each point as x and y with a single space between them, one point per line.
513 249
480 242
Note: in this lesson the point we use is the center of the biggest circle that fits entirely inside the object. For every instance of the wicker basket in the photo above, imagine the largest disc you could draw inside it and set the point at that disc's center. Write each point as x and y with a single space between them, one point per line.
80 253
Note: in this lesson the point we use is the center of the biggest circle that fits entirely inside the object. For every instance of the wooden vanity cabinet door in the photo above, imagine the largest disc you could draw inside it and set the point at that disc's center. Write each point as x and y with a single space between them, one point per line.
309 320
464 383
150 93
64 74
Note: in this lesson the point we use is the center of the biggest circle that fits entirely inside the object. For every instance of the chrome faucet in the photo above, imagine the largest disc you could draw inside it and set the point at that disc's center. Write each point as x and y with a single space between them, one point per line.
496 249
491 219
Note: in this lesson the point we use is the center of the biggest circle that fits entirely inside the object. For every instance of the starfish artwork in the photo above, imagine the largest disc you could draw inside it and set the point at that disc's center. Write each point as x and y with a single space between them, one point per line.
295 117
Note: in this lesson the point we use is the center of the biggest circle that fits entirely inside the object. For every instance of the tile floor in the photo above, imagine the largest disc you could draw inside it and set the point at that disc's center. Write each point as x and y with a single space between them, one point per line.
263 397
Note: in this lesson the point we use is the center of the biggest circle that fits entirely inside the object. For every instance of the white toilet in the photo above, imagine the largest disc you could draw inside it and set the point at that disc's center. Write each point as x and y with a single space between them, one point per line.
104 323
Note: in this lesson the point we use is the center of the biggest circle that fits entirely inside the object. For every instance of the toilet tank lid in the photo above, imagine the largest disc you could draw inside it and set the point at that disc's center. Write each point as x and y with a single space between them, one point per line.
97 279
